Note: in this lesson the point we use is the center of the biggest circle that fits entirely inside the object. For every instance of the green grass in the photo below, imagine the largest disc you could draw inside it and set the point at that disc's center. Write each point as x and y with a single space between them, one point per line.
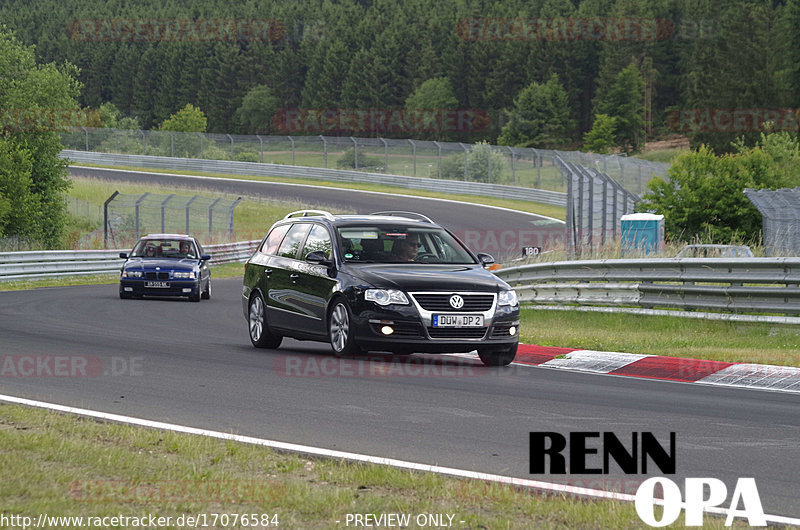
61 464
557 212
747 342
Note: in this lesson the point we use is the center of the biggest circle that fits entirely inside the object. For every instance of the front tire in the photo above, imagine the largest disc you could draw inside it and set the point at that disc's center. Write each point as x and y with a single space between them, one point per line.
498 357
340 330
207 292
260 335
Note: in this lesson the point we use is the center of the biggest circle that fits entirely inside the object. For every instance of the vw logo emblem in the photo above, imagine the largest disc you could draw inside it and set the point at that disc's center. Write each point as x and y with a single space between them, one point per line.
456 302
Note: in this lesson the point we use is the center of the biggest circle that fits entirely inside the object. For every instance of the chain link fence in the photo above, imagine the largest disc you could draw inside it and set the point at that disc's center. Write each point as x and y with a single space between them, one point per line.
517 166
126 217
780 212
595 204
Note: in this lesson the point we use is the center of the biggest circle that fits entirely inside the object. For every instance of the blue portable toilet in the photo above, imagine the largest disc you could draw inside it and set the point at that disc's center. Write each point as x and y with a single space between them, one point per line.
642 232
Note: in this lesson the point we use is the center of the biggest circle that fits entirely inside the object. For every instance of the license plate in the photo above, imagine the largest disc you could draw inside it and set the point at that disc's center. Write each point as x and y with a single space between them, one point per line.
160 285
457 321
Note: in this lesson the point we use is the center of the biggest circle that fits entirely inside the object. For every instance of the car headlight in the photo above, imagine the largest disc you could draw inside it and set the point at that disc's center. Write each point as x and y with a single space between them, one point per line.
131 274
508 298
183 275
385 296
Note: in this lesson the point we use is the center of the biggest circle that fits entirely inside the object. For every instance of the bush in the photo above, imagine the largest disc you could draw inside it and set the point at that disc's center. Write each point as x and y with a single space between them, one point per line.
348 161
247 156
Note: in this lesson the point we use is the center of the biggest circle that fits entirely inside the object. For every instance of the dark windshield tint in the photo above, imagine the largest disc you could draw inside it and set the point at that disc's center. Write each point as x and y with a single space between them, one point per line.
165 248
380 243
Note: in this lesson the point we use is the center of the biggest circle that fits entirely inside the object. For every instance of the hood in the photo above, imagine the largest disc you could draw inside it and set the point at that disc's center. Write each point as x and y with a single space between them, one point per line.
431 277
163 263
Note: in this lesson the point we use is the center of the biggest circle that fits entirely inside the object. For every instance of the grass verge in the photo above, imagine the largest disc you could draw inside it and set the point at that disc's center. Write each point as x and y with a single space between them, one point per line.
557 212
65 465
746 342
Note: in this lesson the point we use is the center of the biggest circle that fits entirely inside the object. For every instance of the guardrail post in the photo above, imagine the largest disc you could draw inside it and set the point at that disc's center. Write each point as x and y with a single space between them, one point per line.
261 149
105 218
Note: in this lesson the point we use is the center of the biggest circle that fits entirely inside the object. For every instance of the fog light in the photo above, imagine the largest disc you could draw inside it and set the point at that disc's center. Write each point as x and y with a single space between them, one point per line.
187 290
512 330
387 330
128 289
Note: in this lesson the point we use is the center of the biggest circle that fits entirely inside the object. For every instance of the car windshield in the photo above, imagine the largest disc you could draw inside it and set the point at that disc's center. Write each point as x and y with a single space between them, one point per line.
164 248
383 243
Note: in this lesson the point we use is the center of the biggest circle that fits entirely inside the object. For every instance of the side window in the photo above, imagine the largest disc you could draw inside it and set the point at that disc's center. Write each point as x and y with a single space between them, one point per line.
318 240
294 238
274 239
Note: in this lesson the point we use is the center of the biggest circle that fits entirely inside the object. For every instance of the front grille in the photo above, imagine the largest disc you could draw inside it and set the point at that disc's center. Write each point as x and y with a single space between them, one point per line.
457 333
156 276
441 302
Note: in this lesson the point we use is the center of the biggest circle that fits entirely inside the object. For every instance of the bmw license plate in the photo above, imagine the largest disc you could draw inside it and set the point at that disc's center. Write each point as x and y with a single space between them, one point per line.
161 285
457 321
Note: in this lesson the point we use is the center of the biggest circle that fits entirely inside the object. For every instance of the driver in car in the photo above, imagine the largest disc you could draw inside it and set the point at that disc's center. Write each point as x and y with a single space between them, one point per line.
406 249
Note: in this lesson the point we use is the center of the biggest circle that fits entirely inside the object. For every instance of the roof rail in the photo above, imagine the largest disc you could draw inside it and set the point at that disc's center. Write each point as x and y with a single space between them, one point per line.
308 213
409 215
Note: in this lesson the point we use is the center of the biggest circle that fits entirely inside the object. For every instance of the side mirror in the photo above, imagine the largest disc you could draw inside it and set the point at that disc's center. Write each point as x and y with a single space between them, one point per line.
318 258
486 260
205 257
123 255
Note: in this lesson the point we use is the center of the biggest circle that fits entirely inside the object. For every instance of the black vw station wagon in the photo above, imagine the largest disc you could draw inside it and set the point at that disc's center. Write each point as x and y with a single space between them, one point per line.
391 281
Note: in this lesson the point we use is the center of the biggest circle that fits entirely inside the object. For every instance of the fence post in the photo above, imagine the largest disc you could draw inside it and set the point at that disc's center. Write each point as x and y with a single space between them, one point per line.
385 155
188 204
163 208
230 217
413 154
171 145
86 135
355 153
261 149
513 168
231 139
292 140
489 165
138 201
466 154
105 218
437 144
324 150
211 215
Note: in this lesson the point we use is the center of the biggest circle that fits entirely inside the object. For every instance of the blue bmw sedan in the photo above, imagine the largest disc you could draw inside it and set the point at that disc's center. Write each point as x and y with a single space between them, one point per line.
166 265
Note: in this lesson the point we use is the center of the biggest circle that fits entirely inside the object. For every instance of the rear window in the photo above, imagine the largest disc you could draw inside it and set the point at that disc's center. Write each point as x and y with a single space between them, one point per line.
274 239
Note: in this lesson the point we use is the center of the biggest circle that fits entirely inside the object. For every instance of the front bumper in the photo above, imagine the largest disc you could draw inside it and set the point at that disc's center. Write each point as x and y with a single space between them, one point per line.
136 287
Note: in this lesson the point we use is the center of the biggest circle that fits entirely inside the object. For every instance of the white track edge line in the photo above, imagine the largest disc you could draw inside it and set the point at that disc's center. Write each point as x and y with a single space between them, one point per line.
357 457
316 186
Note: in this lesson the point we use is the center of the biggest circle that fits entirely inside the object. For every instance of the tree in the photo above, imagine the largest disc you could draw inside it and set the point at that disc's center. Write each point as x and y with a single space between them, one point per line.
188 119
434 95
540 117
704 199
258 107
32 175
601 138
624 100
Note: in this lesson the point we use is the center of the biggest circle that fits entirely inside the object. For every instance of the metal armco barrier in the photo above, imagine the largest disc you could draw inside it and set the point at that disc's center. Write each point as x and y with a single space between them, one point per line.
331 175
55 263
753 285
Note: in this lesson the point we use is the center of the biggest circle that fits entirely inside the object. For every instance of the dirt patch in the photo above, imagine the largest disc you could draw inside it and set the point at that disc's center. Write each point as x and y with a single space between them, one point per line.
670 142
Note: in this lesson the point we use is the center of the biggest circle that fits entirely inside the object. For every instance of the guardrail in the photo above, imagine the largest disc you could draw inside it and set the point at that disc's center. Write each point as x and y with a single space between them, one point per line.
55 263
753 285
331 175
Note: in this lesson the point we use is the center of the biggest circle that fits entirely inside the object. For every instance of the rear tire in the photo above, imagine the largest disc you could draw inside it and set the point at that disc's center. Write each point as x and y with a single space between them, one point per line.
260 335
340 330
498 357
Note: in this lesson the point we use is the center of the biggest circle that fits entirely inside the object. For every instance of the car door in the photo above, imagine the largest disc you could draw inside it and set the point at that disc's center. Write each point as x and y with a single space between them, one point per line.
282 304
313 284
